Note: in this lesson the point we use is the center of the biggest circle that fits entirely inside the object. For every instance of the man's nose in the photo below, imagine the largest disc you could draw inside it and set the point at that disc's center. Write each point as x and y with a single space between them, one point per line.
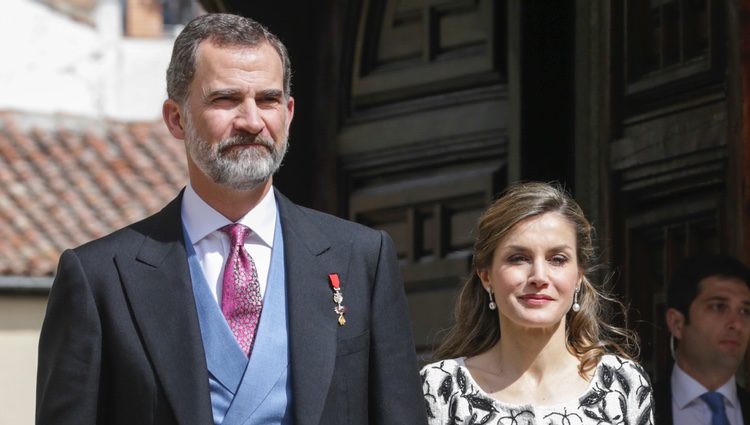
736 319
248 118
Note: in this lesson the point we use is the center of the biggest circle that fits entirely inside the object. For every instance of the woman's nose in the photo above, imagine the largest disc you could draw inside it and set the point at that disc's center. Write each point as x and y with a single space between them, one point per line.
539 269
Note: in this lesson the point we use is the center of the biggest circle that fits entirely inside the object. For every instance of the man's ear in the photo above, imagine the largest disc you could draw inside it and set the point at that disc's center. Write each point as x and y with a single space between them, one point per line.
675 322
289 113
172 114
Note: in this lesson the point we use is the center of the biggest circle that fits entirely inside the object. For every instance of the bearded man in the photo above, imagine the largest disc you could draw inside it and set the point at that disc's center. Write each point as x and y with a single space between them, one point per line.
232 305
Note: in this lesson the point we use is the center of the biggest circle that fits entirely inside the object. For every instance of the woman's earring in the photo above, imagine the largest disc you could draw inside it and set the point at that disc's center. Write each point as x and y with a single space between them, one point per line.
576 306
492 304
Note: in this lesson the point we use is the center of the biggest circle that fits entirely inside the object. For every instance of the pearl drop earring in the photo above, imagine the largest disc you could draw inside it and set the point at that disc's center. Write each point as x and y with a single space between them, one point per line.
492 304
576 307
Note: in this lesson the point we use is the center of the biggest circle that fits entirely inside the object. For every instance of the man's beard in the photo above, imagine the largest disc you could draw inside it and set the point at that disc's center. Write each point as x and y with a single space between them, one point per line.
236 168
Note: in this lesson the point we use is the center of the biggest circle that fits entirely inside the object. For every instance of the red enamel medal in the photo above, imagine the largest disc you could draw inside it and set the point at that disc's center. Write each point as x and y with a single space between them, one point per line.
338 298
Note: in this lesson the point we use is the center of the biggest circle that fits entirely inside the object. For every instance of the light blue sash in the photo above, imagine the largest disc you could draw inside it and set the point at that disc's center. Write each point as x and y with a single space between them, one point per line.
242 391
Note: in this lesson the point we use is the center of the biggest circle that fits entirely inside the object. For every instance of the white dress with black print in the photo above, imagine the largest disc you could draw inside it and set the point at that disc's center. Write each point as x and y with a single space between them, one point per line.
619 393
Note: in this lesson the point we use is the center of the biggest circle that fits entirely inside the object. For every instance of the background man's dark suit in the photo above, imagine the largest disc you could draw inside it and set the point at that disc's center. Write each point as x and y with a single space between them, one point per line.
663 403
121 342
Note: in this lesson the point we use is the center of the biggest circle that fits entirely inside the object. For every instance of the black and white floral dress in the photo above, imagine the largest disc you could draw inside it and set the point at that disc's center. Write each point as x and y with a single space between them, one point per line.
619 393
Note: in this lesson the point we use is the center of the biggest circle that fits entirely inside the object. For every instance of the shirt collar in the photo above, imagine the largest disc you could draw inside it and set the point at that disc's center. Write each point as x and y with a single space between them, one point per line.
685 389
202 219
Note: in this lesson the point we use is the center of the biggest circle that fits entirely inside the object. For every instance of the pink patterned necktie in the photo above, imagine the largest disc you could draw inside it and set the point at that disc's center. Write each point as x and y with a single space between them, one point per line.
241 301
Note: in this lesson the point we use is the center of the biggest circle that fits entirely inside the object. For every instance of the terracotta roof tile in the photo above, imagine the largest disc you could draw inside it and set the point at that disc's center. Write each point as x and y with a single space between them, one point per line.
67 180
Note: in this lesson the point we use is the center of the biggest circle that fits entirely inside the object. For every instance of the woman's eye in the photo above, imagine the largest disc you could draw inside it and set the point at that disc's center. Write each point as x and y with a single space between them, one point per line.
516 259
559 259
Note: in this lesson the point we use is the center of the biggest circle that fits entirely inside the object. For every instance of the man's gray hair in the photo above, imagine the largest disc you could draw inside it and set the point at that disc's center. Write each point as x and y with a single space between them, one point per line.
221 29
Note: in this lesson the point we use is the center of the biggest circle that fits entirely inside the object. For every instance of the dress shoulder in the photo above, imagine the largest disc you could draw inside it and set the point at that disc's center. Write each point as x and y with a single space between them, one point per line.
442 365
440 378
620 368
620 389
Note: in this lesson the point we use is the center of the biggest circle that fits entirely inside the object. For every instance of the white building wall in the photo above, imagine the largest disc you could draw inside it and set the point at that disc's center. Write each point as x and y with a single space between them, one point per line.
54 64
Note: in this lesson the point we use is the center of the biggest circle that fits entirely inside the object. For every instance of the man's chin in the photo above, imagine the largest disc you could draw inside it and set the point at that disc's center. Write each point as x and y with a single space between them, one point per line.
243 186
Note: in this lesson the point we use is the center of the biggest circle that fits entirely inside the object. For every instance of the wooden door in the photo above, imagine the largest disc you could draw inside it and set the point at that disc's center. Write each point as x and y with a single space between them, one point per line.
423 141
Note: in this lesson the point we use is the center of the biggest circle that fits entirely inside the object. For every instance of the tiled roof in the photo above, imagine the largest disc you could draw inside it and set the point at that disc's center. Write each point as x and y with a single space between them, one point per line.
67 180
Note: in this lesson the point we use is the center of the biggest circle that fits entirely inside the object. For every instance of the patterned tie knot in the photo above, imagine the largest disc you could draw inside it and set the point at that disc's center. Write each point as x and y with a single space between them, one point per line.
715 402
237 233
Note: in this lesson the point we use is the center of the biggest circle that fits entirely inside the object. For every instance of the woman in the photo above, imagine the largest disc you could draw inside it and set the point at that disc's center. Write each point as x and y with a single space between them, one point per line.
532 343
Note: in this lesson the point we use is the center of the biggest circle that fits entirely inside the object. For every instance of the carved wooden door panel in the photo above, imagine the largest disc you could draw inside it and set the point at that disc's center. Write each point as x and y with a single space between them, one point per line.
423 140
669 154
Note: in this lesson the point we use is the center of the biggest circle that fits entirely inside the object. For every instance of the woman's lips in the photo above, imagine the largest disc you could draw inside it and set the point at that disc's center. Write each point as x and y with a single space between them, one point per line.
535 299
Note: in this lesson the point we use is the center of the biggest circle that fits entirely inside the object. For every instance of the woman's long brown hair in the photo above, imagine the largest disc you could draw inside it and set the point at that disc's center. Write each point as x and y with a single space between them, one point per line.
590 332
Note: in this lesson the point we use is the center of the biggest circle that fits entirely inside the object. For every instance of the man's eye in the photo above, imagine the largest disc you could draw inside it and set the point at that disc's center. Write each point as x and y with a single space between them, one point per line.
717 306
268 101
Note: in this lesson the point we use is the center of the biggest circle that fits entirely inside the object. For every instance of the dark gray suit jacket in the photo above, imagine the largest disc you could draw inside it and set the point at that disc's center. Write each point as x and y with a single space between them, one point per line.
121 343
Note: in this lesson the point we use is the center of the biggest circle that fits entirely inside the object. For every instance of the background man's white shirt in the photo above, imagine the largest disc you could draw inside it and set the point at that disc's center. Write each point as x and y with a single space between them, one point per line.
689 409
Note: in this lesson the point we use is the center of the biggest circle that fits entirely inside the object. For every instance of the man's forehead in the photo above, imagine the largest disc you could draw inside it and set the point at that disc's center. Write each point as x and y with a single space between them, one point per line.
220 67
723 287
215 45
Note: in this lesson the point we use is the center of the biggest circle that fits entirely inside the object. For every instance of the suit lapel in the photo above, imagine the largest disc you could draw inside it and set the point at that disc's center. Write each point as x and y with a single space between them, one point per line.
744 397
158 287
312 323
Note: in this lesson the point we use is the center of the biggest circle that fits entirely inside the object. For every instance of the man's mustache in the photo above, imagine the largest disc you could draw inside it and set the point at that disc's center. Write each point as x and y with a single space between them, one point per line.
246 140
